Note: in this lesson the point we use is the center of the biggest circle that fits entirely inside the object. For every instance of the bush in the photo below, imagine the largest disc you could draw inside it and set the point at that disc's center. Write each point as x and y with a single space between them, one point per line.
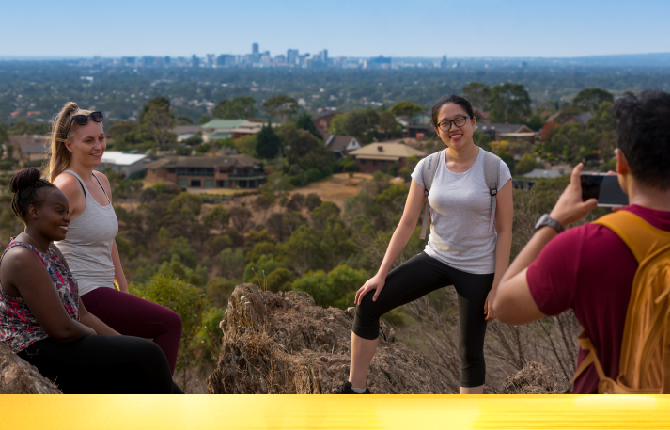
312 201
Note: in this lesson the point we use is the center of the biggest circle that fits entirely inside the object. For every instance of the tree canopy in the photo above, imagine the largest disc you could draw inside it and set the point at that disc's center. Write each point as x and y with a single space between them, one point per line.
509 103
237 108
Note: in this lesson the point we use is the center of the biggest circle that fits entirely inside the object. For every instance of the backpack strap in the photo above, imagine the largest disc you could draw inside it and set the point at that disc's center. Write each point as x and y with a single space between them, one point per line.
640 236
428 174
491 177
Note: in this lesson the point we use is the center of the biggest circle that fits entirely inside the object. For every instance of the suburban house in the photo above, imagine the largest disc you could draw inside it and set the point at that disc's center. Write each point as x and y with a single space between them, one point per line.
220 128
221 171
247 128
124 163
342 145
29 148
581 118
544 173
381 156
506 131
421 125
183 132
323 119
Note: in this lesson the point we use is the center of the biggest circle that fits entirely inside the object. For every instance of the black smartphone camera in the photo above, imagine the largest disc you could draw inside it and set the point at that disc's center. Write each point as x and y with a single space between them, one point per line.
604 188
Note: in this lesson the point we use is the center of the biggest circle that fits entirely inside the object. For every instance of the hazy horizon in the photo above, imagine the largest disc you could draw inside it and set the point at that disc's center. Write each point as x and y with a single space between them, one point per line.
423 28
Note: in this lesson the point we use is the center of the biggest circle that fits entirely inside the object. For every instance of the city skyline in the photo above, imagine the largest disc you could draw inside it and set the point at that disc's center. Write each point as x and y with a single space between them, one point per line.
355 29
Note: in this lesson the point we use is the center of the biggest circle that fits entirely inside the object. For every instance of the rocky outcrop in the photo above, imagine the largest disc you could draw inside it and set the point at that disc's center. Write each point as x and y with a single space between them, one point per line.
17 376
284 343
535 378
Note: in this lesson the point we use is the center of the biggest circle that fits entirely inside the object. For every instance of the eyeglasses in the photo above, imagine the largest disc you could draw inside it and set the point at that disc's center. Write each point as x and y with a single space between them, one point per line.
459 121
83 119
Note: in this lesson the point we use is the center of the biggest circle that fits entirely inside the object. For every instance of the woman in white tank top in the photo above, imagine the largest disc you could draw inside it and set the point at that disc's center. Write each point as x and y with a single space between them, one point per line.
77 145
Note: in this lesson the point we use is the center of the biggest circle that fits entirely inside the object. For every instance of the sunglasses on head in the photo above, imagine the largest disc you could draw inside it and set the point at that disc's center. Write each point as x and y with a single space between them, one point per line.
83 119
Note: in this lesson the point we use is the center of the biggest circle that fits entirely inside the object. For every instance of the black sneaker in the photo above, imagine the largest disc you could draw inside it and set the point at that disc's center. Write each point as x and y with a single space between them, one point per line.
346 389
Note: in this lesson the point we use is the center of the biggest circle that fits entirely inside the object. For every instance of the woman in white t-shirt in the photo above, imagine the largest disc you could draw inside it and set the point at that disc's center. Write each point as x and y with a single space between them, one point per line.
464 249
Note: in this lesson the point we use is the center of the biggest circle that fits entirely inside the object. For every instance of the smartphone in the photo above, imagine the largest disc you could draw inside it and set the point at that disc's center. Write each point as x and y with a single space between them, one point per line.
603 187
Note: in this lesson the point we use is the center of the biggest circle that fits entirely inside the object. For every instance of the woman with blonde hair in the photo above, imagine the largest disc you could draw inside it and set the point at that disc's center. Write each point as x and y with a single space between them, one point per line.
77 145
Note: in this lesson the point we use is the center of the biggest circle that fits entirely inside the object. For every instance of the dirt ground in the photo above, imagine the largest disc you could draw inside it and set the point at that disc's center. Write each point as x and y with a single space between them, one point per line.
337 188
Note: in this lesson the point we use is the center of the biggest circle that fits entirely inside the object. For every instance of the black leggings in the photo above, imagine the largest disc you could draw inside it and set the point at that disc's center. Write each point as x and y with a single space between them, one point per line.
103 365
419 276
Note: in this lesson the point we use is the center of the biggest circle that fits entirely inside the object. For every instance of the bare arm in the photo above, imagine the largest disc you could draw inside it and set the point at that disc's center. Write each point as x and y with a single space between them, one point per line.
413 205
514 304
119 276
25 272
503 217
91 321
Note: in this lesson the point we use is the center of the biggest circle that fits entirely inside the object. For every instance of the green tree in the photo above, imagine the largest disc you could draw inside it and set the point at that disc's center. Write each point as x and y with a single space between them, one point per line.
603 128
120 128
157 120
305 249
526 164
281 106
204 119
186 200
406 109
237 108
337 125
324 211
509 160
217 218
256 272
588 99
303 149
305 122
184 299
388 124
21 127
232 263
184 120
336 288
268 144
477 94
509 103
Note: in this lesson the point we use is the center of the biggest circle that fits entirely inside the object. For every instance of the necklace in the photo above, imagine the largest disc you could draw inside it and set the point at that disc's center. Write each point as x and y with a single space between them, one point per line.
31 238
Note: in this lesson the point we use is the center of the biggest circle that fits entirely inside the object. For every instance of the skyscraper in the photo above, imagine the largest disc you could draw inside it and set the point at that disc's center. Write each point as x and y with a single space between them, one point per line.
254 49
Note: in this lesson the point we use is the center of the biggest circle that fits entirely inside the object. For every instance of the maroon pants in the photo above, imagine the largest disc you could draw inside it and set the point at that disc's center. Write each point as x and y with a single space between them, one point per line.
135 316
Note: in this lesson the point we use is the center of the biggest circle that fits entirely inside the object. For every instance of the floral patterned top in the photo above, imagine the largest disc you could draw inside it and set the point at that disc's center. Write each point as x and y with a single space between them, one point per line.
18 326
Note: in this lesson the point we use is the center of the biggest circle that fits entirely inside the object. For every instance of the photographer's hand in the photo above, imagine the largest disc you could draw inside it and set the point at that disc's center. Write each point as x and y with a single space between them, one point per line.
570 207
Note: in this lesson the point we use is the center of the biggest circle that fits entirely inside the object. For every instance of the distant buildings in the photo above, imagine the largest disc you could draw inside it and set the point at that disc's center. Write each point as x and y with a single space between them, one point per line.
505 131
30 149
323 119
123 163
226 171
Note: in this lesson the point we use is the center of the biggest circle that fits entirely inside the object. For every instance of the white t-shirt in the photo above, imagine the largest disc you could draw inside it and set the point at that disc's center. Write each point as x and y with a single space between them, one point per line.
460 212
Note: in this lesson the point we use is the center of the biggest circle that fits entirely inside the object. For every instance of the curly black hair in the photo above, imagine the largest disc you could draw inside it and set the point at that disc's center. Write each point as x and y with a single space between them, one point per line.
26 187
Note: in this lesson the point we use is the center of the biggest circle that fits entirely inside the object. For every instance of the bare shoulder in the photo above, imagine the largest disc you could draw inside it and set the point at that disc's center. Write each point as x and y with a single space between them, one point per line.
104 181
20 260
69 185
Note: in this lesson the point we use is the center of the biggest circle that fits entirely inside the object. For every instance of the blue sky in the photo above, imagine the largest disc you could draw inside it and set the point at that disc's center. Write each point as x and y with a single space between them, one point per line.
344 27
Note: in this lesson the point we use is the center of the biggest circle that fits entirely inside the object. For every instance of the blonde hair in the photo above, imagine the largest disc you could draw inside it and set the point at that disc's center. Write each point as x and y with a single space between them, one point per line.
60 156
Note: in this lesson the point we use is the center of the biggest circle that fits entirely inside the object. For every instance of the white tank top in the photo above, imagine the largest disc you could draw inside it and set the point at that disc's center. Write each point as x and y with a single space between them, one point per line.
89 242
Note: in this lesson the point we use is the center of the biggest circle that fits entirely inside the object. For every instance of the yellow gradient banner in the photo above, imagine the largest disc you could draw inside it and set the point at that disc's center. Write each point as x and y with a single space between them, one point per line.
162 412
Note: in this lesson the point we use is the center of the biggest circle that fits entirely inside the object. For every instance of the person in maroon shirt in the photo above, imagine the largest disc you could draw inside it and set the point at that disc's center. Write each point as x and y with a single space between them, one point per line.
588 268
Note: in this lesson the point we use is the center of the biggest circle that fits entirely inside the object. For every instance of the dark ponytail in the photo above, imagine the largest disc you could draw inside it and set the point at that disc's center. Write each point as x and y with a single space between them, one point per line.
26 185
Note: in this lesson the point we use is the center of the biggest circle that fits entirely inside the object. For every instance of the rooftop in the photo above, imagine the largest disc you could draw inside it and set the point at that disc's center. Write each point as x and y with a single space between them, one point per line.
224 124
122 158
239 160
387 150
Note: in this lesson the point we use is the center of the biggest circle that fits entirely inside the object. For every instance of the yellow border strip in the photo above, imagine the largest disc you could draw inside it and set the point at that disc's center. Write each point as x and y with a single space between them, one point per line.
102 412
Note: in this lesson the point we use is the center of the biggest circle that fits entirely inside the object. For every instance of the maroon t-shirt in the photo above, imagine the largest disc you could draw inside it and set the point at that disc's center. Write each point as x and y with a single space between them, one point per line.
590 270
